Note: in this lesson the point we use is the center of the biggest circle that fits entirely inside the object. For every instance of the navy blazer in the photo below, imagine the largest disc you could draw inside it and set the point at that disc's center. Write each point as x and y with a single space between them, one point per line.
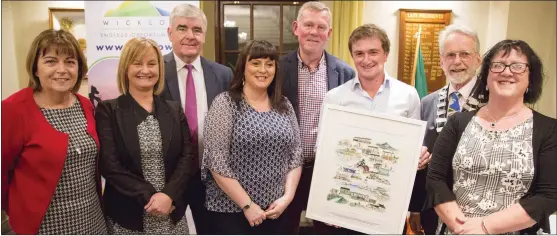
216 76
429 114
338 73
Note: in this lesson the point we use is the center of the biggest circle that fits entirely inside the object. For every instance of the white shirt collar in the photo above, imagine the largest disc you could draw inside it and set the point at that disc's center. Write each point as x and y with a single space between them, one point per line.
466 89
386 82
180 64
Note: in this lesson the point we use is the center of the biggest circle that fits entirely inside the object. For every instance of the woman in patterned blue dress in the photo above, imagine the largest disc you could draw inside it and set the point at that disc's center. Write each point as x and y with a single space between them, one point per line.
146 148
493 170
251 160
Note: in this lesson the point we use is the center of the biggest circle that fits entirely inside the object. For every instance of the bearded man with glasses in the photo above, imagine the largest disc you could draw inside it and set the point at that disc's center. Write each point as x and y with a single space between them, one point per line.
459 48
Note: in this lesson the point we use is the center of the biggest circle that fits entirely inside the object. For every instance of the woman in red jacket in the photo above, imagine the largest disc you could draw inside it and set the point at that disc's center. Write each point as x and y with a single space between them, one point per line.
50 182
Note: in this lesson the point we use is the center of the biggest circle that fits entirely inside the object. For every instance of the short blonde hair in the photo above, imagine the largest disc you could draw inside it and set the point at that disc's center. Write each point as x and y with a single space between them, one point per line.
134 49
62 42
316 6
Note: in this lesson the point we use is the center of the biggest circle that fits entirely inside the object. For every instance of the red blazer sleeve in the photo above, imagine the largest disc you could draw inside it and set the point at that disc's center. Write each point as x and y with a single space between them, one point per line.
12 144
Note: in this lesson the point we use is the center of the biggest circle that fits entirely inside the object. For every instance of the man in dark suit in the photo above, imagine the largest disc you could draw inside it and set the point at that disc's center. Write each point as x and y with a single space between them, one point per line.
195 82
309 73
460 58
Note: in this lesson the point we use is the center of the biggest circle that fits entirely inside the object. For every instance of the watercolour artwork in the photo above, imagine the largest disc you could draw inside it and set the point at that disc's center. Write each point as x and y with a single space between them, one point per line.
364 173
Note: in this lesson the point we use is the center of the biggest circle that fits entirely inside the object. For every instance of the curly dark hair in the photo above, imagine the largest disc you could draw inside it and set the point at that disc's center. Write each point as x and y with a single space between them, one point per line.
536 74
256 49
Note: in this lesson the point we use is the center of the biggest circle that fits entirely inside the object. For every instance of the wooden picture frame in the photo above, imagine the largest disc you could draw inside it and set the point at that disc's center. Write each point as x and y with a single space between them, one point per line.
71 19
431 22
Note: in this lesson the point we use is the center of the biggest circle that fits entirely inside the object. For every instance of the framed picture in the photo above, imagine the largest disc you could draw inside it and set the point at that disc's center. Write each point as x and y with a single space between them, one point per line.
71 20
364 169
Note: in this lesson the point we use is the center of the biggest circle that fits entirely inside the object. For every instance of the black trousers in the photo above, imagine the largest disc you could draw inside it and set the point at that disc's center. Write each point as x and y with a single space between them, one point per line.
196 201
237 224
429 220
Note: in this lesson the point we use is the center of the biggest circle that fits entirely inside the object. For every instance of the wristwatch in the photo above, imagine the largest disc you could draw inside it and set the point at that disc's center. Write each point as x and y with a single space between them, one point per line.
247 206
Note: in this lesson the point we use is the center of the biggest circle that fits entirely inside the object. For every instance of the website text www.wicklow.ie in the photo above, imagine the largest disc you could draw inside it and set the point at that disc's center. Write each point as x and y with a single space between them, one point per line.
119 47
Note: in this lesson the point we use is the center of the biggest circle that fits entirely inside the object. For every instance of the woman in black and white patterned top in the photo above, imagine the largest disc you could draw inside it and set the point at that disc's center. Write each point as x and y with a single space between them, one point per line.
146 148
251 159
493 170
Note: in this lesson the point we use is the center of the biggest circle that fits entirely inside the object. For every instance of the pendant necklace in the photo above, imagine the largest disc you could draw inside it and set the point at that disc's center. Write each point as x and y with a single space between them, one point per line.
494 122
252 103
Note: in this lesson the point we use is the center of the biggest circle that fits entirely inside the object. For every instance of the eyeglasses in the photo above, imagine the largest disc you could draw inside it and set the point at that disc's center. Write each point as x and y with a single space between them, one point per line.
517 68
463 55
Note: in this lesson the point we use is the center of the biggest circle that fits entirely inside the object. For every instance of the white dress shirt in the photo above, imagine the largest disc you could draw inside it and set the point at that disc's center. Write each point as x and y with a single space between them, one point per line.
200 93
464 91
393 97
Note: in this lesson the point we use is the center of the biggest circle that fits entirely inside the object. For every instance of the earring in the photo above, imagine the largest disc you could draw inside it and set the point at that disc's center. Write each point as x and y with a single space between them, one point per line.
486 88
526 90
243 81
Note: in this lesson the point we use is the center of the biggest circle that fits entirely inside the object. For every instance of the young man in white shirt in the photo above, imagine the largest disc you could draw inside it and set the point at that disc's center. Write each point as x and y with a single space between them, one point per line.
373 89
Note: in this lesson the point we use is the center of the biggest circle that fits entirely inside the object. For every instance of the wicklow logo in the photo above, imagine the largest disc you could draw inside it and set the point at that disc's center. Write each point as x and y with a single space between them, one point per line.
139 15
136 8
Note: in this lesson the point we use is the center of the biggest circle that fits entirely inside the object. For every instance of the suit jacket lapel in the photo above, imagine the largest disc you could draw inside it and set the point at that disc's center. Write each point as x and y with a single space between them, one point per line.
332 73
171 76
434 107
291 81
211 82
166 124
128 129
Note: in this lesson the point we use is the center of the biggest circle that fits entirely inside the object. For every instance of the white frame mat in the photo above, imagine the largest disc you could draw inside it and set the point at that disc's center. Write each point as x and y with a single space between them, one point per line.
364 170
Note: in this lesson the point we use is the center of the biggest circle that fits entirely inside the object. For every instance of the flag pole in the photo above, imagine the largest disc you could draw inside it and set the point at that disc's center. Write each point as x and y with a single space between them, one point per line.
418 34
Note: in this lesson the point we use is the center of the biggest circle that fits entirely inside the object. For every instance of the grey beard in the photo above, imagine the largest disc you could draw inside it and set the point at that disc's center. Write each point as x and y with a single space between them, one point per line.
460 79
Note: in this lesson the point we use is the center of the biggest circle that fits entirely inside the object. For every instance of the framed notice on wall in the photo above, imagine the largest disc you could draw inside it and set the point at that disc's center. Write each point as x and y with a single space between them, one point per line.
431 22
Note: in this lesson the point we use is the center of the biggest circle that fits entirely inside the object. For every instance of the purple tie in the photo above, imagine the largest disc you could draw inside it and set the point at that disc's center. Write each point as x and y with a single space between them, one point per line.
191 104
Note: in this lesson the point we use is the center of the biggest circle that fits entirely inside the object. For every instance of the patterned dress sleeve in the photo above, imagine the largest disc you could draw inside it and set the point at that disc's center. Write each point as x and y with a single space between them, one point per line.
219 125
296 145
